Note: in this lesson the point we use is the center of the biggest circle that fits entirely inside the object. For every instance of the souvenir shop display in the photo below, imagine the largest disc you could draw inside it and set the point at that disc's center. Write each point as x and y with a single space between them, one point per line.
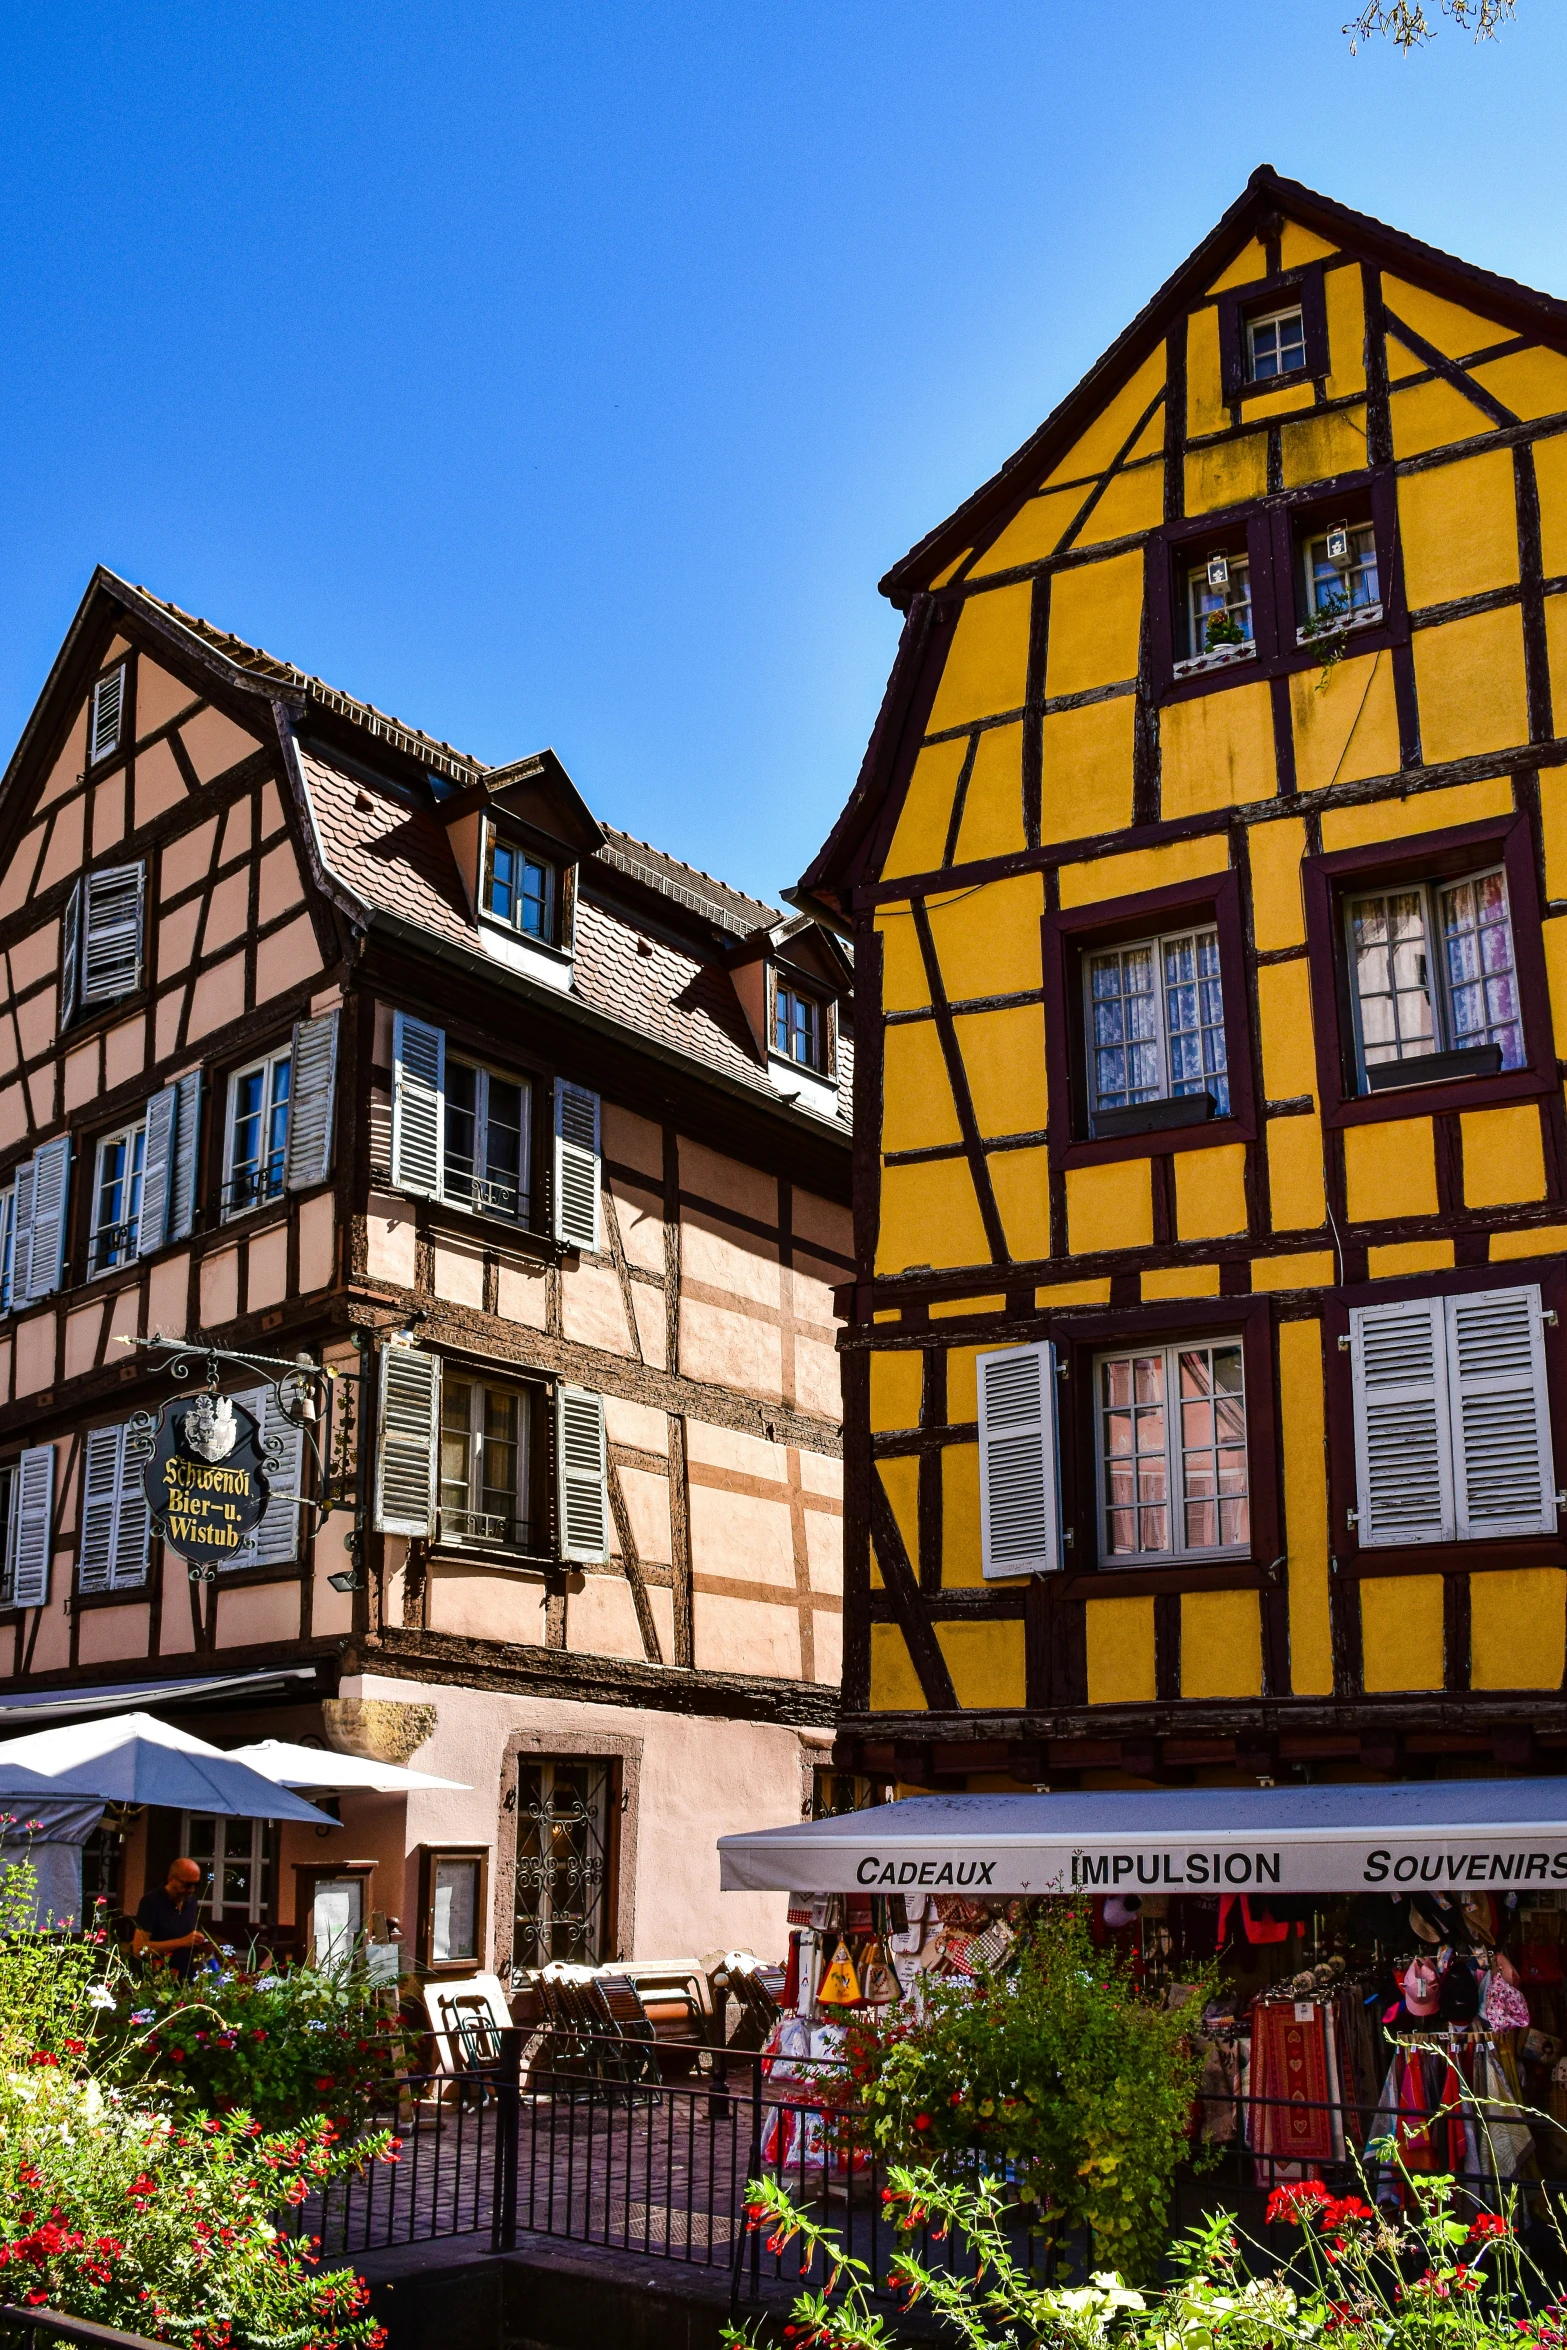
1338 2020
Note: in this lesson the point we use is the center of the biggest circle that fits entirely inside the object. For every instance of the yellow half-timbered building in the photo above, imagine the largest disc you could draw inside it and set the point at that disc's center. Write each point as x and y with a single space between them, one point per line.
1207 1367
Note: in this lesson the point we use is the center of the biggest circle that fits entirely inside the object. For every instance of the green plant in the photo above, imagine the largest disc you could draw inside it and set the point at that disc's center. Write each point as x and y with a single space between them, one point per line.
1057 2064
277 2044
1222 630
1328 629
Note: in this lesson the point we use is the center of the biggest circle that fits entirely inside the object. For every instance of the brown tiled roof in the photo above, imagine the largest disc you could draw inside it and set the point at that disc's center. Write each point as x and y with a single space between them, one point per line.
729 909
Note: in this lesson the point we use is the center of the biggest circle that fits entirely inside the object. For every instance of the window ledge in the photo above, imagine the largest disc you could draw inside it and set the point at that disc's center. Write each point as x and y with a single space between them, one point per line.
533 957
1478 1060
1368 616
1185 1109
448 1220
447 1551
1222 657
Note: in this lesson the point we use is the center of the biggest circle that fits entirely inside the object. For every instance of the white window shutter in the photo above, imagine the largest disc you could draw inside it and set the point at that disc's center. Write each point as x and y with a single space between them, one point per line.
100 1502
410 1438
312 1084
7 1240
418 1105
111 934
1019 1488
132 1517
157 1170
32 1526
1403 1430
108 710
184 1166
22 1248
275 1542
70 956
51 1188
576 1165
1502 1471
582 1466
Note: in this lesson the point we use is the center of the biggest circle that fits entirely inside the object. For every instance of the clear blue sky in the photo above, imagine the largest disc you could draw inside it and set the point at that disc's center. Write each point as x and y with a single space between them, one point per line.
570 375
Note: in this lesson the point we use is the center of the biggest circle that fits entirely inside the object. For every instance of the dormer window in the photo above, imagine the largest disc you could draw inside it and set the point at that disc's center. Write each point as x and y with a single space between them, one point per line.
520 890
1275 344
799 1029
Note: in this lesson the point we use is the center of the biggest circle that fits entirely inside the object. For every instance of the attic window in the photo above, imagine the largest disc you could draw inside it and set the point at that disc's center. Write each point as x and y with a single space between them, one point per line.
108 711
1275 344
520 890
800 1029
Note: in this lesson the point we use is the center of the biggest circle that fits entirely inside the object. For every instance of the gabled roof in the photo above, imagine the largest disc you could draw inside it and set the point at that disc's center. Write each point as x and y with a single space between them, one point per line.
1539 315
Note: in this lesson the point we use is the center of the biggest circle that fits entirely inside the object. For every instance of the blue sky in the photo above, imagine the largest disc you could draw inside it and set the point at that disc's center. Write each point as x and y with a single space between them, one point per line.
571 375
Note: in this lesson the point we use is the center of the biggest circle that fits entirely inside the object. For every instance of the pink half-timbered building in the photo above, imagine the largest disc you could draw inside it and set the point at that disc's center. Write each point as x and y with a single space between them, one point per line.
322 1039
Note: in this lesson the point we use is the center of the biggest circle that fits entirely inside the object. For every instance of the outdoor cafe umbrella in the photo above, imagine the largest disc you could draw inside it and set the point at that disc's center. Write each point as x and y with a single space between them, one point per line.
133 1758
312 1766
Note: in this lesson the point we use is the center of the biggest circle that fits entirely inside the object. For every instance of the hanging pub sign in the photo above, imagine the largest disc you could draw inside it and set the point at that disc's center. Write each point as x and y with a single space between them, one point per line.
205 1483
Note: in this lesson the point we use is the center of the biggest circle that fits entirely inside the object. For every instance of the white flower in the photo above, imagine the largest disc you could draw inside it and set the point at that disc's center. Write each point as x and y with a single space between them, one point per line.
100 1996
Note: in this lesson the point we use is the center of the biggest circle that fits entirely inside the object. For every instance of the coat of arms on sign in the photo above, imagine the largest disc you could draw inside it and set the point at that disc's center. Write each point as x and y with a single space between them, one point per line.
208 1429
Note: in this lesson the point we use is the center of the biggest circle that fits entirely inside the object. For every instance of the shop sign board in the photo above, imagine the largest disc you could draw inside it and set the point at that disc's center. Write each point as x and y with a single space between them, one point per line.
206 1481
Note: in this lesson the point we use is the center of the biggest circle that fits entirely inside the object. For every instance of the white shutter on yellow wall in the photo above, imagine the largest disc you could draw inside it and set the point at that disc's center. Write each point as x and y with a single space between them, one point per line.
576 1165
418 1105
582 1474
1019 1490
1503 1476
409 1441
1403 1427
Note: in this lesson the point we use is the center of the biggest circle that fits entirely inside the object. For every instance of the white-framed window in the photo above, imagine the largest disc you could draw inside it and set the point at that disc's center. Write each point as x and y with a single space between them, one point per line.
1275 344
1170 1444
236 1862
799 1028
117 1196
520 889
1432 971
108 714
1216 612
1452 1418
489 1141
256 1143
1339 568
1155 1012
486 1449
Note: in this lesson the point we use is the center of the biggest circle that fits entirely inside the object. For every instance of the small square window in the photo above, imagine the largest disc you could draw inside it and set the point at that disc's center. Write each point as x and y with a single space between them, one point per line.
1275 344
256 1145
799 1028
1155 1013
520 891
1170 1442
1433 982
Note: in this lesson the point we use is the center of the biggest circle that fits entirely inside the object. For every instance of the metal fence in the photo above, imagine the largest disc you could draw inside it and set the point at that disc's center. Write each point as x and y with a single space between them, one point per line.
648 2149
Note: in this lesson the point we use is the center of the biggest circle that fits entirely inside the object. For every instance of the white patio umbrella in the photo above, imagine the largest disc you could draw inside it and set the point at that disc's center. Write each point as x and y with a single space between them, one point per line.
134 1758
312 1766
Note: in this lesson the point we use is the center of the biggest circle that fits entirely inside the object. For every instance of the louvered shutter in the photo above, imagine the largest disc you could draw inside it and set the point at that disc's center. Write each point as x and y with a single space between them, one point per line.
100 1499
51 1186
132 1517
157 1170
418 1105
1403 1433
32 1526
7 1245
275 1542
108 709
576 1166
312 1083
184 1166
111 934
70 956
582 1474
22 1247
1019 1491
410 1436
1503 1477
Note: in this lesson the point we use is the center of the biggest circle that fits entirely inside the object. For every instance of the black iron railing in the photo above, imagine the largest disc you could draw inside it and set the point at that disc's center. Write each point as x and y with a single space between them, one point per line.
35 2326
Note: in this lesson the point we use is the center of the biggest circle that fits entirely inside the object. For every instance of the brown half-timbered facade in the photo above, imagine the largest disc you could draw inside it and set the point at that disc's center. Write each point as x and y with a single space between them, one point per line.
1205 1379
318 1037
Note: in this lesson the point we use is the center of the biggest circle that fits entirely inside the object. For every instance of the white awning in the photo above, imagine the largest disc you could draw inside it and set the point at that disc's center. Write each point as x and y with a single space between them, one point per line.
135 1758
1447 1832
339 1774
